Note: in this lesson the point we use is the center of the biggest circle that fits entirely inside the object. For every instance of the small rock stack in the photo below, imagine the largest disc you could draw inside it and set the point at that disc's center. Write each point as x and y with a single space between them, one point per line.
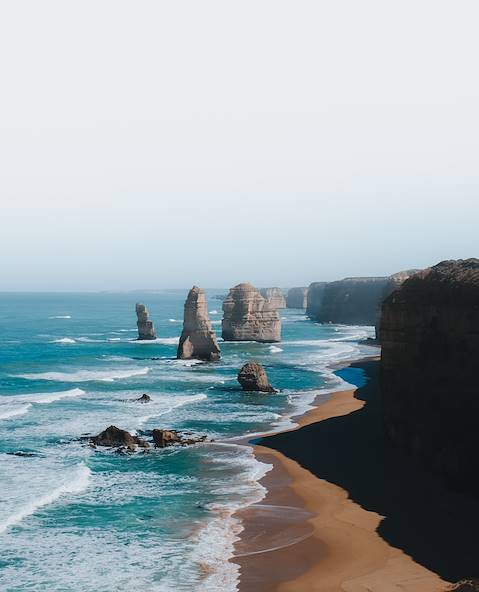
146 329
198 339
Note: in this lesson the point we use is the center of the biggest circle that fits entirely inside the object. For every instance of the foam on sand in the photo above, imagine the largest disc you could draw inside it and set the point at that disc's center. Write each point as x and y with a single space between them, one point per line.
78 482
85 375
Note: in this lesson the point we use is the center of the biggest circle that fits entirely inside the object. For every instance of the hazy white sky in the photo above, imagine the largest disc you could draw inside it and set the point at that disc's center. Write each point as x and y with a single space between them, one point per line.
161 144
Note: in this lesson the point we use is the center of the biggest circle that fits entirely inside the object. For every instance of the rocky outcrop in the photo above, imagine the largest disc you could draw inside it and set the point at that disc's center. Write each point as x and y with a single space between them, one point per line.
314 299
430 349
146 330
253 377
249 317
297 298
116 438
275 296
163 438
144 399
198 340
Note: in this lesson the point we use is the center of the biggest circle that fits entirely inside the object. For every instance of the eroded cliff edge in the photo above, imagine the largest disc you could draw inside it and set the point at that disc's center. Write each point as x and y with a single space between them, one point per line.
430 350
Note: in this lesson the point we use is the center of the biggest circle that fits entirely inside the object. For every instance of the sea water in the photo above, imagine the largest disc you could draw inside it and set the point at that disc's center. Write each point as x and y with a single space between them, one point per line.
77 519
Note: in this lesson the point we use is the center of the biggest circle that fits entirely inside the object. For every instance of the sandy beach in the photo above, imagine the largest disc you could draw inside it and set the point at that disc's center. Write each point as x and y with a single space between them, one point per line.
343 512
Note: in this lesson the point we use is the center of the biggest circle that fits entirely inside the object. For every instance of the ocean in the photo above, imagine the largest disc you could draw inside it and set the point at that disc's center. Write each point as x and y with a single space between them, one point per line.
77 519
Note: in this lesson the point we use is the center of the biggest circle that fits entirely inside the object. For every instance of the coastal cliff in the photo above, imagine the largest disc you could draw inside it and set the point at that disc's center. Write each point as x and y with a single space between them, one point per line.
146 329
352 301
198 339
394 282
314 299
275 296
297 298
430 347
249 317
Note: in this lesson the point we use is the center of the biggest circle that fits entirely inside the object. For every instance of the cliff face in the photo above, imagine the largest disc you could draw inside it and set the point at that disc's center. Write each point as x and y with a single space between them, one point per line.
275 296
314 299
430 350
198 340
297 298
146 330
249 317
394 282
352 301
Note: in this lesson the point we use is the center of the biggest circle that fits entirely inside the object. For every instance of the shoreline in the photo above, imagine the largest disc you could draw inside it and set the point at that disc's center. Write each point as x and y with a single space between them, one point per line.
308 533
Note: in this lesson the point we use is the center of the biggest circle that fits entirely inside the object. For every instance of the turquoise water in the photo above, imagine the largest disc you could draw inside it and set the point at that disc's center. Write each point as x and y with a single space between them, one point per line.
73 518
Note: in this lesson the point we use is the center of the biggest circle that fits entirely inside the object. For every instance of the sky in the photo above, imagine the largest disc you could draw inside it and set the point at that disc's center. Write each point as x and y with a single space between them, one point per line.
159 144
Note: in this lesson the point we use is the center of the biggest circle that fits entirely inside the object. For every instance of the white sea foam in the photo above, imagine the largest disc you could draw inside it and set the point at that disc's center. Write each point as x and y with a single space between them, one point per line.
61 317
78 482
215 542
15 412
175 321
45 398
85 375
214 312
179 402
274 349
158 340
63 340
114 339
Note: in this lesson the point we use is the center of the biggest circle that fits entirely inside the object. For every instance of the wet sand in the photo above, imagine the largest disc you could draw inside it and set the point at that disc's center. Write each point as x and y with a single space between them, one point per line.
344 512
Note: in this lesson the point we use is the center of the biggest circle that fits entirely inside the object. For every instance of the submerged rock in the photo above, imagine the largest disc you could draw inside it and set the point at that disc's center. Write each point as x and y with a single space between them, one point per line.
115 438
198 339
297 298
144 399
249 317
430 349
275 296
253 377
146 329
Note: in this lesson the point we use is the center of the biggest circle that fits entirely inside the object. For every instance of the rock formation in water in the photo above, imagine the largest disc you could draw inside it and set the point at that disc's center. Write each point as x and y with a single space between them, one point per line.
253 377
297 298
314 299
144 399
146 330
198 339
163 438
430 353
250 317
275 296
117 438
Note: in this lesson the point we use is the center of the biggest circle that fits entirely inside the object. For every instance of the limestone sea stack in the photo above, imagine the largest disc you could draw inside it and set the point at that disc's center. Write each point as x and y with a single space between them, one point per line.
198 339
146 329
249 317
275 296
430 353
297 298
314 299
253 377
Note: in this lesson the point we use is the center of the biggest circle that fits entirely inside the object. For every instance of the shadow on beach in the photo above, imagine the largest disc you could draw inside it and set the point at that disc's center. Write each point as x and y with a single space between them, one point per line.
438 528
